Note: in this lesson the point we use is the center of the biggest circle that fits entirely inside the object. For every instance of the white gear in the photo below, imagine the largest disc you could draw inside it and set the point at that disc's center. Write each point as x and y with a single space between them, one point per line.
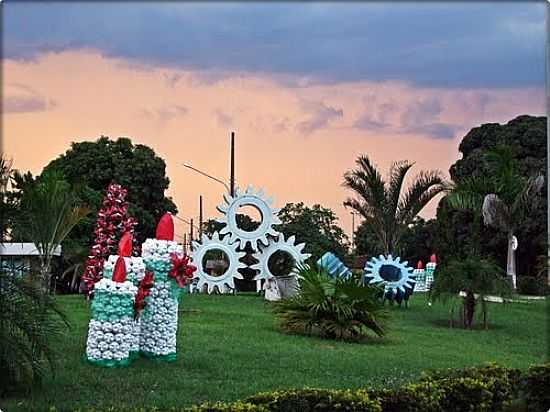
225 282
255 199
276 245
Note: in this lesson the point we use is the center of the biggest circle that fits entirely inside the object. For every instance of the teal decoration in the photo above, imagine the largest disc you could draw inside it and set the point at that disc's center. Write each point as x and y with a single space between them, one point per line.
334 266
396 277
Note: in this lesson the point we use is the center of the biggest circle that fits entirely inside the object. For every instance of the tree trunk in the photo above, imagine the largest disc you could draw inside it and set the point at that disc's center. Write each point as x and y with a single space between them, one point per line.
511 260
469 308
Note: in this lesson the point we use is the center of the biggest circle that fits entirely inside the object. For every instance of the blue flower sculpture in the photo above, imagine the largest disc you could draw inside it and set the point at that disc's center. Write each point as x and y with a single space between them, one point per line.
395 276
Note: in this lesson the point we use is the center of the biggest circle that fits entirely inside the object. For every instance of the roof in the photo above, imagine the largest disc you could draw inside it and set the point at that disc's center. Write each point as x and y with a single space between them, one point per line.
23 249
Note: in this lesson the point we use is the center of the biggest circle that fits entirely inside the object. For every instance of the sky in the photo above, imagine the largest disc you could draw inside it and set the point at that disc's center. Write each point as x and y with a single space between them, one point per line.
306 87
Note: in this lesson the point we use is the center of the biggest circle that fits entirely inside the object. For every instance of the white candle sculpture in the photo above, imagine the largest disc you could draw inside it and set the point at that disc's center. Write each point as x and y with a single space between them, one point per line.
110 329
171 271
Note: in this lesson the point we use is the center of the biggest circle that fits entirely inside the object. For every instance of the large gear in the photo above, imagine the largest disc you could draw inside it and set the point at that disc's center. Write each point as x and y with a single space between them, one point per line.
227 280
256 199
397 277
276 245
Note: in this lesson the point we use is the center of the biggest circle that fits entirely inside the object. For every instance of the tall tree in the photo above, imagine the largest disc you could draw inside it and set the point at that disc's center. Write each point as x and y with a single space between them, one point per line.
94 165
49 210
526 135
381 202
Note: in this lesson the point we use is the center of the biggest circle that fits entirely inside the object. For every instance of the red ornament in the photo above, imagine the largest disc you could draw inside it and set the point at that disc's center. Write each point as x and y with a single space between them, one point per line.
182 271
119 273
433 258
165 227
144 289
420 265
125 245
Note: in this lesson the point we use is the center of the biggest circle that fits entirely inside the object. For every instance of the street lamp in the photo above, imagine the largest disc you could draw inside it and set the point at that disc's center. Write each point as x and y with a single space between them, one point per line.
352 231
207 175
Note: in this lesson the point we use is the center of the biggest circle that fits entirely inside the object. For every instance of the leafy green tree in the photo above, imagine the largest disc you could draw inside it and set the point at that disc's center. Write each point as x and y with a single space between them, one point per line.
315 226
526 135
8 199
332 308
417 242
49 211
94 165
381 202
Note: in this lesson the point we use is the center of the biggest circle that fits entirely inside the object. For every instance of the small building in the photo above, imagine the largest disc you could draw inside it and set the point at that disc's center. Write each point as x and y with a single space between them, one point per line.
21 258
216 267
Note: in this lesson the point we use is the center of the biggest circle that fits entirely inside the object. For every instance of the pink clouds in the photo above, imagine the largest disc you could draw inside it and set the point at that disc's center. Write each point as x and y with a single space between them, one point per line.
184 118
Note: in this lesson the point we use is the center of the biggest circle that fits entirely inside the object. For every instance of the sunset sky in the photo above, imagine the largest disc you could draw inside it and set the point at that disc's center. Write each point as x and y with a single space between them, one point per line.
306 87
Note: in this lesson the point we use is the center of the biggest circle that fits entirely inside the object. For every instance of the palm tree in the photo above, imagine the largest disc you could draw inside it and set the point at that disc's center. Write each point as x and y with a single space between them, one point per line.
49 211
501 198
476 278
381 202
514 196
29 320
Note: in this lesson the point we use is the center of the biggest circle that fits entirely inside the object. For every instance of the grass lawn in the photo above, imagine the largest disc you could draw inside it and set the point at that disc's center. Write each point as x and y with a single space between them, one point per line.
229 348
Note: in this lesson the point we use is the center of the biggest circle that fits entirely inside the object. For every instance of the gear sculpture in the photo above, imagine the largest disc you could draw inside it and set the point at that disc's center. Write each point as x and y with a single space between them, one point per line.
232 240
395 276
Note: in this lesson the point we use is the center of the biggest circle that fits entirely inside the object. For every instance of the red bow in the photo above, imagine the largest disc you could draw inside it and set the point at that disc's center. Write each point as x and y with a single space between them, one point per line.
181 270
144 288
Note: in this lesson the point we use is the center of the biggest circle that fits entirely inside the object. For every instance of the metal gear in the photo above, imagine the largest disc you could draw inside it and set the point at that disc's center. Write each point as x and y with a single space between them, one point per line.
227 280
275 245
256 199
397 277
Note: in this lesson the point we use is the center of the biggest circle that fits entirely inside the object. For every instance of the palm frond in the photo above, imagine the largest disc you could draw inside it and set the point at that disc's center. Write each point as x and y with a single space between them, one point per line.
424 188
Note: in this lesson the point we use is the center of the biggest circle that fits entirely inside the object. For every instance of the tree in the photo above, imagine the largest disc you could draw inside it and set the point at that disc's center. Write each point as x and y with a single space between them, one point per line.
315 226
417 242
526 135
381 203
476 277
513 198
8 201
29 321
95 165
49 211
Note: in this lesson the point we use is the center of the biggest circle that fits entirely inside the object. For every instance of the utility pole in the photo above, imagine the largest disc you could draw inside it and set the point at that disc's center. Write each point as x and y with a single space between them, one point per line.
232 176
185 243
191 231
200 217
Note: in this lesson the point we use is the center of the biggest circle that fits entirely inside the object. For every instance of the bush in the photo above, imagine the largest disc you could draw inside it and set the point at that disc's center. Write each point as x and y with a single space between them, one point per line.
316 400
29 320
331 308
535 383
423 397
227 407
532 285
501 382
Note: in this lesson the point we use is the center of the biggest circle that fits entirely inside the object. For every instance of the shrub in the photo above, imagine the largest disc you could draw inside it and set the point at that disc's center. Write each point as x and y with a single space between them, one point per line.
423 397
29 320
316 400
501 382
227 407
535 383
331 308
531 285
465 395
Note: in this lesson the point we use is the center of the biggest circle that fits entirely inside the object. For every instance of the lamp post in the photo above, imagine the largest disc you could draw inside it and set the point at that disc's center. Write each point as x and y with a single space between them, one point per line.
207 175
352 232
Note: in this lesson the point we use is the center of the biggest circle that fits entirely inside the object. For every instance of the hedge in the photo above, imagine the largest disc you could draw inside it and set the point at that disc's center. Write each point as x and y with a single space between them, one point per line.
490 388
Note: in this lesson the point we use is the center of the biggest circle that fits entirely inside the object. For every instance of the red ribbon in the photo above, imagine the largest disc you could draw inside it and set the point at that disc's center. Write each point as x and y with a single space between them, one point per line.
182 271
144 289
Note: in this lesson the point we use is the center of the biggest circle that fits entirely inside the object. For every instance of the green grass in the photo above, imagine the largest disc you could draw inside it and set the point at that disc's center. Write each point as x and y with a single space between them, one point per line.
229 348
